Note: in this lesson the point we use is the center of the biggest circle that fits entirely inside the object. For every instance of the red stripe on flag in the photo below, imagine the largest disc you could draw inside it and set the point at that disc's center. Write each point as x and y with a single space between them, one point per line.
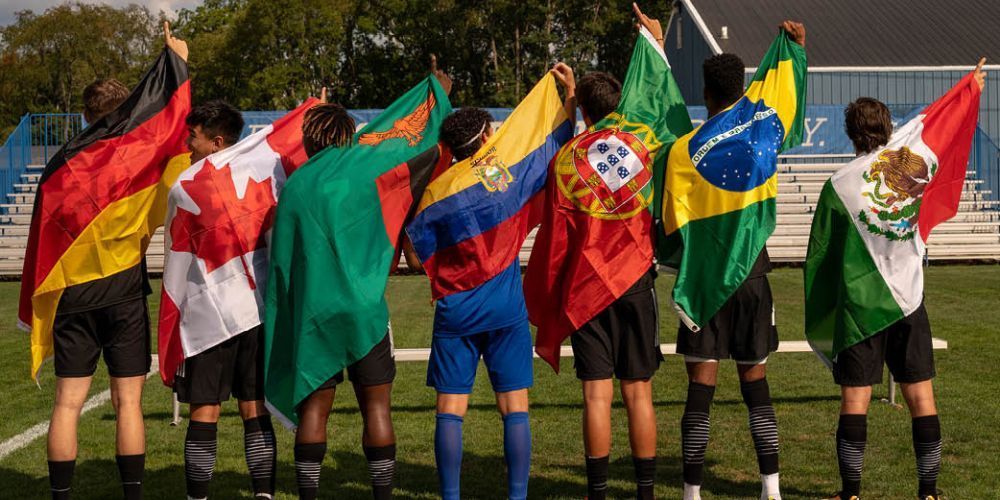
106 172
286 139
395 198
476 260
949 125
171 352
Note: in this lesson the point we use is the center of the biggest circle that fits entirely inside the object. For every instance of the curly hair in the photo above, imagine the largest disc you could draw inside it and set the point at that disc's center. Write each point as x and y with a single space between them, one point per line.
723 78
326 125
102 97
217 118
598 94
868 124
461 129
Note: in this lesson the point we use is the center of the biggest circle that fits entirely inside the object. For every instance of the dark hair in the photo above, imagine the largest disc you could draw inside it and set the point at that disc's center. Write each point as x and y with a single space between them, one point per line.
723 78
102 97
463 126
217 118
326 125
598 94
868 124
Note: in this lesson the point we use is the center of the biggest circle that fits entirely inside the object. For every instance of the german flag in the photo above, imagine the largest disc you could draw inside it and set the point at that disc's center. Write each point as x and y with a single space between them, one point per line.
102 195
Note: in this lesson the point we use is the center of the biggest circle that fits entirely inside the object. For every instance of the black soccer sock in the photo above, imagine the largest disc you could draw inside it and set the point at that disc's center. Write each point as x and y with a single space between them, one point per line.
763 424
597 478
200 448
927 445
695 426
261 452
645 477
61 478
852 436
130 468
308 462
381 469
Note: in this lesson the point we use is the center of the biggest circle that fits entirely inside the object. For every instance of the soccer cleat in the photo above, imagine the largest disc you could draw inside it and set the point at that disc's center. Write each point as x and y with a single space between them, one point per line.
838 497
936 496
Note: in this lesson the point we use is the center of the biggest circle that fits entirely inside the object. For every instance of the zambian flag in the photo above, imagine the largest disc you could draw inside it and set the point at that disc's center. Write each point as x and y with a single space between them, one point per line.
102 195
335 236
721 184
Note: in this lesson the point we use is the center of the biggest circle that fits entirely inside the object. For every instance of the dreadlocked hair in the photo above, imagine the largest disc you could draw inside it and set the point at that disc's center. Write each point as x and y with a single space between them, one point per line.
460 131
326 125
723 78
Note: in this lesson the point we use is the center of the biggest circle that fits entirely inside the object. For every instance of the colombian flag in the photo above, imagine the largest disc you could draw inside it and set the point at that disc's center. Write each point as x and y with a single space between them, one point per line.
102 195
721 184
473 218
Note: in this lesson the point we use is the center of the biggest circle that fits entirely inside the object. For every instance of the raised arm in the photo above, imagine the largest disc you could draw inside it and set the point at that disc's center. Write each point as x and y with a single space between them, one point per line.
180 47
564 75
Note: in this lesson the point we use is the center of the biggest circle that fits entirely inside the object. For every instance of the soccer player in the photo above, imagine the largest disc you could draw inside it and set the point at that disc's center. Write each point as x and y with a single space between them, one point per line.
107 315
234 367
742 330
324 126
491 322
905 346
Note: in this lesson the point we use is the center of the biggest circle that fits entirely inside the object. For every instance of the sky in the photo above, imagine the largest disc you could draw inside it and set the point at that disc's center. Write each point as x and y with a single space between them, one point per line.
9 7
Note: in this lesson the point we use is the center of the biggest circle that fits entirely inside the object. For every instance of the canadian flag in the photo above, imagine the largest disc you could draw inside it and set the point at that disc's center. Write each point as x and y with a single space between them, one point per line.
217 233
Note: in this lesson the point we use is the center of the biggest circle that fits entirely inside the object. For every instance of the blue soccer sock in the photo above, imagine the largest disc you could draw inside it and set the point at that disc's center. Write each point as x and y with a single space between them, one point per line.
517 452
448 453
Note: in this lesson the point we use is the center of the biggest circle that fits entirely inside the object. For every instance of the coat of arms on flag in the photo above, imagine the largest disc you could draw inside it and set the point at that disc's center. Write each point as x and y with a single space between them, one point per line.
894 186
606 174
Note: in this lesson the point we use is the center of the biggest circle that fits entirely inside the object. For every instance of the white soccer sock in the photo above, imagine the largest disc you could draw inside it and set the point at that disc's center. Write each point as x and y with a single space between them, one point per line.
769 487
692 492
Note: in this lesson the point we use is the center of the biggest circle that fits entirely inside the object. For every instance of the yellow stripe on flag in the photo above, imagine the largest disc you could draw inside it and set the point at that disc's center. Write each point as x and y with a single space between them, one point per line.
525 130
114 241
778 91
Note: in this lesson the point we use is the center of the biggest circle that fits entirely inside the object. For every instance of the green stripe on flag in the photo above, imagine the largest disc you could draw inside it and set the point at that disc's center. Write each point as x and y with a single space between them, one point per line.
847 299
743 233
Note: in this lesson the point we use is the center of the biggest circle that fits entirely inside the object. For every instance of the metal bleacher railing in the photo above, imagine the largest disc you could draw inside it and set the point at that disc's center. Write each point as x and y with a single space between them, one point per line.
35 139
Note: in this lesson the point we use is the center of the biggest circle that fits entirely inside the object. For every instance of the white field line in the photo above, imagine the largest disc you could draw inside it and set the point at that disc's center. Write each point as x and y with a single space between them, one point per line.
38 430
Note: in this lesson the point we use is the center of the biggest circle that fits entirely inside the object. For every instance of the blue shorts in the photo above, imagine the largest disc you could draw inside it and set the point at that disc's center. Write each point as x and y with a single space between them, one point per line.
506 353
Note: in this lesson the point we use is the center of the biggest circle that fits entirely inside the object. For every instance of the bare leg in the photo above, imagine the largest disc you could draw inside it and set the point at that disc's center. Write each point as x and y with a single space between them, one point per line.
71 392
597 398
638 397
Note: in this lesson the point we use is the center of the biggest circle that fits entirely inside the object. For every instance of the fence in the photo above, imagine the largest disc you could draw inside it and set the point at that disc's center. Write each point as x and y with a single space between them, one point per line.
39 136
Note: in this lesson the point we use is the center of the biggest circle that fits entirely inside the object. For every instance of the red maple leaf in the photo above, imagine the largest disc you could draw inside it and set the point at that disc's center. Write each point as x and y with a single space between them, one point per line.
227 226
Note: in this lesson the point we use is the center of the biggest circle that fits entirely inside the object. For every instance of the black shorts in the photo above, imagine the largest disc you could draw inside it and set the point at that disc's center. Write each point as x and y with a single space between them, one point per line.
905 346
743 329
234 367
120 331
376 368
623 340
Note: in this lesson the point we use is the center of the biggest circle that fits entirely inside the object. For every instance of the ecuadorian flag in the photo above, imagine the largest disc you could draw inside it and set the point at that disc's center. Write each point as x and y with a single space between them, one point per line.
473 218
721 185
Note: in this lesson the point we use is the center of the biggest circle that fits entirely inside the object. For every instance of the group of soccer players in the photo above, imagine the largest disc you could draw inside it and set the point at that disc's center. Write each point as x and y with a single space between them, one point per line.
490 322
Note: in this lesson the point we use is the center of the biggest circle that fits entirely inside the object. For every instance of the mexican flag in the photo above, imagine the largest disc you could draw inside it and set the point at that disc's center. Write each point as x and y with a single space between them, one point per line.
863 270
596 237
335 235
721 183
219 218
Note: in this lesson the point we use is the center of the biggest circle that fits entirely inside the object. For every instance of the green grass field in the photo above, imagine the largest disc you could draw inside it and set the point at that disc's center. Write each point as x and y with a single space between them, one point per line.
963 303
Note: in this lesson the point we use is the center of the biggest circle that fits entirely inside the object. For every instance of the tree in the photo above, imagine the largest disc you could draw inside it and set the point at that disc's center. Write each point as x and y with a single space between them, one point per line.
47 59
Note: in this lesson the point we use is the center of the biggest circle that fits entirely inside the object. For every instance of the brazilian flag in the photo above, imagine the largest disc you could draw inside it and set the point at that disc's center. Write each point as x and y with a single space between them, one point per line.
721 184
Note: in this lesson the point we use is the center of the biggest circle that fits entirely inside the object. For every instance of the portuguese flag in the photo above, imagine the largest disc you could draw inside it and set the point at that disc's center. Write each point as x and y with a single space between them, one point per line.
102 195
335 235
596 237
864 267
721 185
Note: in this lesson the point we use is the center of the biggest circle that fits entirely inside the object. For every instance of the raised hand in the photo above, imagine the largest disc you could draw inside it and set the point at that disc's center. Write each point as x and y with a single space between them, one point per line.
564 75
180 47
653 25
979 74
442 77
795 30
322 95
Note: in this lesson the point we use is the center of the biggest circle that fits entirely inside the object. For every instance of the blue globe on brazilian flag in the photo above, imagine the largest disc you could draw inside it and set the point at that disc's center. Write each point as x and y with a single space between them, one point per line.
720 187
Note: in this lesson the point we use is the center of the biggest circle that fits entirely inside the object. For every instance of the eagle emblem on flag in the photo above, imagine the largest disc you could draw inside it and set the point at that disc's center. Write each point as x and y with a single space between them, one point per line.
410 127
894 187
492 172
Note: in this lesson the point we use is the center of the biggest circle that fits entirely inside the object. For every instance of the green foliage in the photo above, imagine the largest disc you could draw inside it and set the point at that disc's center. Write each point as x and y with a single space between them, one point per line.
261 54
47 59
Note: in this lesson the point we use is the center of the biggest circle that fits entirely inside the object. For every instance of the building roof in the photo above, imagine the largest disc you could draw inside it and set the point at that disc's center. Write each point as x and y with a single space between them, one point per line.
859 32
